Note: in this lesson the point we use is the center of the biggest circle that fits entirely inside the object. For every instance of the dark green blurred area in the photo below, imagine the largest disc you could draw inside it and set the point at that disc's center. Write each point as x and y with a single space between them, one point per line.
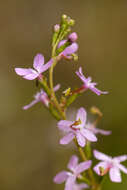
29 151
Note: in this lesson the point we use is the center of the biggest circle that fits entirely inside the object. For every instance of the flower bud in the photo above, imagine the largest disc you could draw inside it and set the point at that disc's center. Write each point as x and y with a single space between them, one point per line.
56 28
73 37
64 16
96 110
71 22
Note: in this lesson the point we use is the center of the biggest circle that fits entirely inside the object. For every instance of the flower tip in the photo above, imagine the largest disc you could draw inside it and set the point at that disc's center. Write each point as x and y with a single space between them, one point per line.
105 92
18 71
39 56
25 107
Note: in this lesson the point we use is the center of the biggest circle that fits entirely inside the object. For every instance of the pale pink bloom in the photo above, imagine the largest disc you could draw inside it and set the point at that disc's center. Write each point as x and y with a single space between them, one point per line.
76 129
88 84
39 68
110 164
69 177
41 97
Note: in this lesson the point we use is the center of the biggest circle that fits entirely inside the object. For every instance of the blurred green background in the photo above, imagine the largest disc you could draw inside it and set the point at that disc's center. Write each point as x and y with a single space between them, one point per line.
29 151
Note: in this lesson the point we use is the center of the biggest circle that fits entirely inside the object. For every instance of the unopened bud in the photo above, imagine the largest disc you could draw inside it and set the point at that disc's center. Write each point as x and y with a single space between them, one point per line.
73 37
96 110
64 16
56 28
71 22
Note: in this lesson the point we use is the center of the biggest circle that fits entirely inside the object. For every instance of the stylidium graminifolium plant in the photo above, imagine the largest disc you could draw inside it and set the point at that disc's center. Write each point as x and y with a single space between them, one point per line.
82 132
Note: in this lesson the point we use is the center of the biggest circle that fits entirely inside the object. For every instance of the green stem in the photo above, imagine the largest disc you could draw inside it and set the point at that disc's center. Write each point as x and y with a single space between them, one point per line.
51 84
83 156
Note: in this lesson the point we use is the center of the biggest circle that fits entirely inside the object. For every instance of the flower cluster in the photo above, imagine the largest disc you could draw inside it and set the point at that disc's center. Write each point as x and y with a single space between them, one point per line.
81 131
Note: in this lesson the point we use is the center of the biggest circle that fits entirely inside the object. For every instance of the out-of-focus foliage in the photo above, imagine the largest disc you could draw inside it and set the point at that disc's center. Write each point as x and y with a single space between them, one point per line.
29 151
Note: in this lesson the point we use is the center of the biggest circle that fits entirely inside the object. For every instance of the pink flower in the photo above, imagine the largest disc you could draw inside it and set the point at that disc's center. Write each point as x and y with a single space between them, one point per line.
88 84
39 67
41 97
76 129
69 177
68 51
71 49
95 130
110 164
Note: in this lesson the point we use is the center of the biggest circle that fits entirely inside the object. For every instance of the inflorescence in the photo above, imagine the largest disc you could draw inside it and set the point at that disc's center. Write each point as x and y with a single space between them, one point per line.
81 131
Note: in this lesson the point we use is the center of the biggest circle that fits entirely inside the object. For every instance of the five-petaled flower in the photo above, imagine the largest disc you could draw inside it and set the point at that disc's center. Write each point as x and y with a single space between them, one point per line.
95 130
41 97
69 177
39 68
110 164
88 84
76 129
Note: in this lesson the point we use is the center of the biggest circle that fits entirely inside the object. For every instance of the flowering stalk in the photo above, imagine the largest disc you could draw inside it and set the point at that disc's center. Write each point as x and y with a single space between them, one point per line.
83 156
82 132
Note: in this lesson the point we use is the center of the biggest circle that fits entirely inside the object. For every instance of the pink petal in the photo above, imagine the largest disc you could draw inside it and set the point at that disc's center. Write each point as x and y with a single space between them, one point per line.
67 139
57 87
101 156
115 175
22 72
103 165
61 177
80 75
70 183
89 135
31 76
38 62
102 132
83 166
97 91
80 139
70 49
61 43
122 168
121 158
64 125
82 116
46 66
30 105
73 162
44 99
